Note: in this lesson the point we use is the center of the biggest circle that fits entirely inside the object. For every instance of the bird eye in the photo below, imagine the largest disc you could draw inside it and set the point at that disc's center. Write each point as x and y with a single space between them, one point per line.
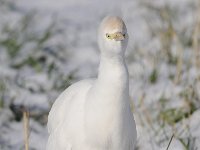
124 34
107 35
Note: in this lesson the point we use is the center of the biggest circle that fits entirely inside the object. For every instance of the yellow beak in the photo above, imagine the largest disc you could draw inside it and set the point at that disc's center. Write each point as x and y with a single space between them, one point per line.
118 36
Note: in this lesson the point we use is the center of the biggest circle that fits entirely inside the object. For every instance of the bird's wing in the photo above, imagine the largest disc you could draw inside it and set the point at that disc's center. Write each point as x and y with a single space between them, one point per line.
60 107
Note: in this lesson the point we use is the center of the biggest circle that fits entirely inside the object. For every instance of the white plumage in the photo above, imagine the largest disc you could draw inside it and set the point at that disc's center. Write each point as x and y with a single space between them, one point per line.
96 114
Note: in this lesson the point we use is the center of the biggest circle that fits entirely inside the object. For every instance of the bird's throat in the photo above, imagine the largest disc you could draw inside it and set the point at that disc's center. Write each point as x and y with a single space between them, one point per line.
113 74
107 100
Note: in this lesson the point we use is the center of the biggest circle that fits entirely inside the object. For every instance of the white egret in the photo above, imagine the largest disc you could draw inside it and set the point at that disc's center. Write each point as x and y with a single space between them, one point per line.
95 114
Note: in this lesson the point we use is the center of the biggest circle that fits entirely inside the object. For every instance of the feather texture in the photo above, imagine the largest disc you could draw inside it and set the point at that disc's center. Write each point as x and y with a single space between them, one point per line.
96 114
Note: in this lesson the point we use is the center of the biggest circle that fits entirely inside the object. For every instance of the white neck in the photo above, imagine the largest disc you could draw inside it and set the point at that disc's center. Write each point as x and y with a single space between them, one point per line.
113 74
108 100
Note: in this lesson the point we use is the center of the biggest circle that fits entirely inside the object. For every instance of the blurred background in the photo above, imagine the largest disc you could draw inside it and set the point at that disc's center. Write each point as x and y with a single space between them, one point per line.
45 46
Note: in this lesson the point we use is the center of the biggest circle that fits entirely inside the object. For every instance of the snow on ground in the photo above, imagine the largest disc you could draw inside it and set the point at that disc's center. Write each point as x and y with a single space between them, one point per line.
47 45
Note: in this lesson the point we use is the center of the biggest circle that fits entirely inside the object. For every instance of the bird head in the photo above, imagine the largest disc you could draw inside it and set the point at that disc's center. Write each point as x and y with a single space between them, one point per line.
112 36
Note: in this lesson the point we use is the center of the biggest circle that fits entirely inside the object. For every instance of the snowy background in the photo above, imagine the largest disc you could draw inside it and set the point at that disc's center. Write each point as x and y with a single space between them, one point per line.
47 45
